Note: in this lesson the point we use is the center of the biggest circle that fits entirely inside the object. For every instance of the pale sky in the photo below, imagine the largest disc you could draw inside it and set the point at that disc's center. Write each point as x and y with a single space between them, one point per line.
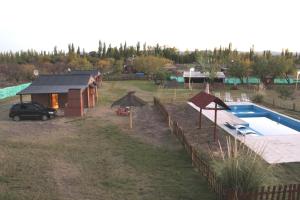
185 24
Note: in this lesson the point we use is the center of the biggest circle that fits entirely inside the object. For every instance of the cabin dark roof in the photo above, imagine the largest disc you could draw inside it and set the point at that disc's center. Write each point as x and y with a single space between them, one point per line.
93 72
129 100
203 99
57 83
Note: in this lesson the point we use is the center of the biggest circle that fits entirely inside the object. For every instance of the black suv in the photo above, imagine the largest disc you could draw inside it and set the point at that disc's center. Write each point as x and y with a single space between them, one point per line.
31 110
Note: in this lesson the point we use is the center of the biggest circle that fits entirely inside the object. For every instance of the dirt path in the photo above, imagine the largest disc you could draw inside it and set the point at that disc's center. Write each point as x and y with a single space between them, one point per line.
148 125
188 118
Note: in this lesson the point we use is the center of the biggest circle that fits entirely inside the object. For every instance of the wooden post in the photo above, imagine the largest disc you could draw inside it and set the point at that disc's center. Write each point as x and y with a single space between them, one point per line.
200 118
192 151
215 127
21 98
294 106
130 117
97 95
175 94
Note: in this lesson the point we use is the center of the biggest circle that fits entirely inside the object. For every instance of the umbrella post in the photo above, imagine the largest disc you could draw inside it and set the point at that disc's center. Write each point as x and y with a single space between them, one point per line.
130 117
215 125
200 116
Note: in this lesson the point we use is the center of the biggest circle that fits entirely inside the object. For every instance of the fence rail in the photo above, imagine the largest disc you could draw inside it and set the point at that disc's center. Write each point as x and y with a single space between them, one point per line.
281 103
279 192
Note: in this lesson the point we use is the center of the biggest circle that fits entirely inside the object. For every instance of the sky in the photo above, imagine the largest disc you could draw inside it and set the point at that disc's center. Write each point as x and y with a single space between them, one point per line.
185 24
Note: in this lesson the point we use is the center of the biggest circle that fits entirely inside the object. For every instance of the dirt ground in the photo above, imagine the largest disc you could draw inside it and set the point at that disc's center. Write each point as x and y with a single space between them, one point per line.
188 118
148 125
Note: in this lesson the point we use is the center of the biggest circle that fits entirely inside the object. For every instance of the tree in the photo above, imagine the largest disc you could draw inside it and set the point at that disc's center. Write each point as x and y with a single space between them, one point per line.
78 51
237 69
138 48
100 49
281 67
118 66
150 64
104 51
105 63
260 67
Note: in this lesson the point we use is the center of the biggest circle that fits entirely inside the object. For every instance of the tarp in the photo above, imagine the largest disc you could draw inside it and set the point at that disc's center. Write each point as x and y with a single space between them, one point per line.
284 81
12 90
237 81
179 79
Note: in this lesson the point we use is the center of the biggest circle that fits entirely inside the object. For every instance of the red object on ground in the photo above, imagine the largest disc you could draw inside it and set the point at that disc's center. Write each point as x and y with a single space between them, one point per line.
123 111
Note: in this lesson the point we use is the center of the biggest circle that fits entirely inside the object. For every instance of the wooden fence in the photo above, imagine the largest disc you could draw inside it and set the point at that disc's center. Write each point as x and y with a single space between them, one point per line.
281 103
280 192
203 168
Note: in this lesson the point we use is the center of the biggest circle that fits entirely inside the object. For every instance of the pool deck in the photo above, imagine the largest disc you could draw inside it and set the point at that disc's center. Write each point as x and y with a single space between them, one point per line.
274 149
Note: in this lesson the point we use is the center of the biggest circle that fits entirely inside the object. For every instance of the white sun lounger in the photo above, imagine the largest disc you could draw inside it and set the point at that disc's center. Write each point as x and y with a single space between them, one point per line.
244 97
228 97
240 129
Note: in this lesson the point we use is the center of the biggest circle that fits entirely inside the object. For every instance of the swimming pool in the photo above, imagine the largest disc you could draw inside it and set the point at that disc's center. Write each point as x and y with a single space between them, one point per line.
264 121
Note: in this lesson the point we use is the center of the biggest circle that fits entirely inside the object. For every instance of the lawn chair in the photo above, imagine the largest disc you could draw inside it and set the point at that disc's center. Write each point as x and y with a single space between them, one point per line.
218 94
228 97
241 129
244 97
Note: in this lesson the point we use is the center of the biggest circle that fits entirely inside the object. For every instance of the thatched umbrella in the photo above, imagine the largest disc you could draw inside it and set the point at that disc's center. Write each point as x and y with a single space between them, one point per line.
129 100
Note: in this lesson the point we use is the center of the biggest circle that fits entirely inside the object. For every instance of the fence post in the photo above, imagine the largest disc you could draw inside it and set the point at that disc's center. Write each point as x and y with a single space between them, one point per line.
294 106
192 150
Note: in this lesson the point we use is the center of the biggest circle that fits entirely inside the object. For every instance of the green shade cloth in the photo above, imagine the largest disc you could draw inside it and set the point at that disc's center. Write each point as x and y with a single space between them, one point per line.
237 81
12 91
284 81
179 79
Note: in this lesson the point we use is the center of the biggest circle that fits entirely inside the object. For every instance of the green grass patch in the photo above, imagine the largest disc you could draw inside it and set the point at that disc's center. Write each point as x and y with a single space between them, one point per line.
131 169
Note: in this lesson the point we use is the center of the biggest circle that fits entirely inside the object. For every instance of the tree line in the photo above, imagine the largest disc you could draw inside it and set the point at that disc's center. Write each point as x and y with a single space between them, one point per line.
106 56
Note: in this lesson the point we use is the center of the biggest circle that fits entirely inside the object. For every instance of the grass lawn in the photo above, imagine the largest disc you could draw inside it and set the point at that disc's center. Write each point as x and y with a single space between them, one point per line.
99 162
96 158
93 158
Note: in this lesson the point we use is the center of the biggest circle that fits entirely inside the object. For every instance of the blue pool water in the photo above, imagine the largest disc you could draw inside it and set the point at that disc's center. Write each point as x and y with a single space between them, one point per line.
265 122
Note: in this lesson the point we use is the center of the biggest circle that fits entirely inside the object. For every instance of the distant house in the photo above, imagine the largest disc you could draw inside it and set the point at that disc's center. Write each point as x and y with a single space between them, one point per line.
199 77
94 73
69 92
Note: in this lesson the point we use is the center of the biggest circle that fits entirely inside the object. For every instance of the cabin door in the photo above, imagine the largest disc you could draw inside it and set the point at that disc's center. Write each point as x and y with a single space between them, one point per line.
54 101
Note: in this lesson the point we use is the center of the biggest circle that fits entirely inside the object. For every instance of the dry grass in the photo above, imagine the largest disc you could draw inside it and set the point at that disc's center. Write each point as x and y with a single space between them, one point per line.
96 157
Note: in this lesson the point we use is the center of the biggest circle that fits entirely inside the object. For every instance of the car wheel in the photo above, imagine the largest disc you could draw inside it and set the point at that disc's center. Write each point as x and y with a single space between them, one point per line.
16 118
44 117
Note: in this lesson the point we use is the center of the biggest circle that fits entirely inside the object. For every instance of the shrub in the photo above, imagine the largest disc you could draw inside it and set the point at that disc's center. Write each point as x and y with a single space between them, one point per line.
258 98
284 92
241 169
